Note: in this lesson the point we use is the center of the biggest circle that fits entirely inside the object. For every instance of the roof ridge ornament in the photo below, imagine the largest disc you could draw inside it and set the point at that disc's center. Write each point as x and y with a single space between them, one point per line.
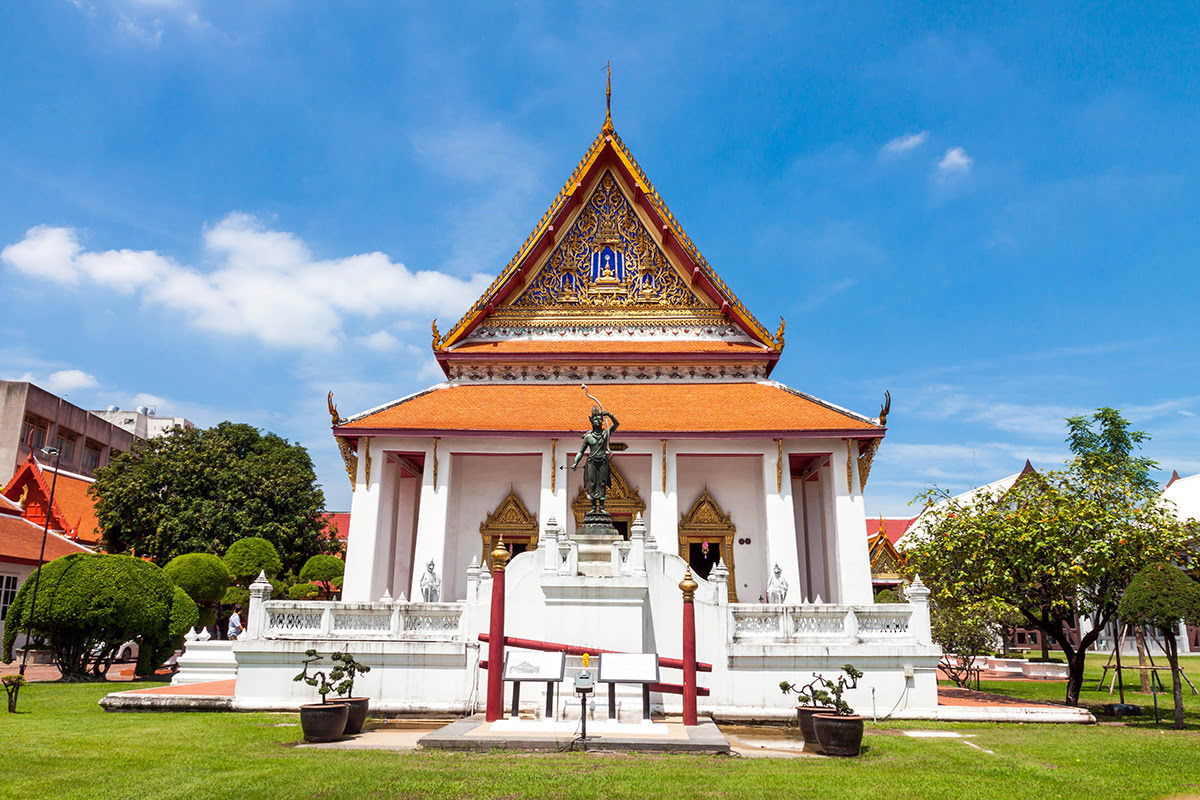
607 129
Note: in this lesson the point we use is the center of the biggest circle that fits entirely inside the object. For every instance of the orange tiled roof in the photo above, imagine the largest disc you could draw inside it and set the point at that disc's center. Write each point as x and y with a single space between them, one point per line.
700 408
71 497
605 345
21 541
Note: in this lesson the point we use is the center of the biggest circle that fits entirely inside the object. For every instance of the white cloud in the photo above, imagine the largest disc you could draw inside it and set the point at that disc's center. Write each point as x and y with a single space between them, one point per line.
826 293
380 341
266 283
955 162
1187 413
63 381
903 144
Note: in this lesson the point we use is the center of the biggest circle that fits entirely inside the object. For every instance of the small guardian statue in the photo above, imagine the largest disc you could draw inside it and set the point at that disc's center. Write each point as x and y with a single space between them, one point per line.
777 588
431 585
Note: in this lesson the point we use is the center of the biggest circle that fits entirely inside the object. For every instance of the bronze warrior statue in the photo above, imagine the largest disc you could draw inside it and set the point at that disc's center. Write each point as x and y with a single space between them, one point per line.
596 474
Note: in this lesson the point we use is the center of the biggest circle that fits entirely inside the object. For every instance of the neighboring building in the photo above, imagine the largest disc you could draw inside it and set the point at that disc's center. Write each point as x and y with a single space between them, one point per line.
1184 495
31 414
337 523
716 468
21 545
72 513
142 422
886 562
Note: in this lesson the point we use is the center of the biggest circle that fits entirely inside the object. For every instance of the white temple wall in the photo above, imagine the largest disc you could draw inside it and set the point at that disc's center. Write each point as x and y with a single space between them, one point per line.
363 544
735 482
816 575
408 497
481 482
853 561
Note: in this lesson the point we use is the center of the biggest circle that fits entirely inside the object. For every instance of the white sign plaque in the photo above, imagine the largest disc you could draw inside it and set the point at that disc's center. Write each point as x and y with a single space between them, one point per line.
628 668
531 665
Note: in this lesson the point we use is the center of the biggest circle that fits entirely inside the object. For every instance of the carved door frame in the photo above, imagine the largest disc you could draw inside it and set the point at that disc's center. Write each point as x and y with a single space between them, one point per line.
706 521
624 502
511 521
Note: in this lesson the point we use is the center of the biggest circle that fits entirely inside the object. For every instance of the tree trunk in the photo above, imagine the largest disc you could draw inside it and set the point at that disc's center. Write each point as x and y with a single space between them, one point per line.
1045 639
1143 673
1177 682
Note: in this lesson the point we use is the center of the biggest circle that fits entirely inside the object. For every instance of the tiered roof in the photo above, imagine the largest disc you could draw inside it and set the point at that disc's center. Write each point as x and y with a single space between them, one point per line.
72 513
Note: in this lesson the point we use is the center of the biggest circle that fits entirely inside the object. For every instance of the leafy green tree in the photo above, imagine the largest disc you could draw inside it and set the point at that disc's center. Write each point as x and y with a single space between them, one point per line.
202 575
966 631
1053 546
325 572
198 491
1162 596
246 558
304 591
89 604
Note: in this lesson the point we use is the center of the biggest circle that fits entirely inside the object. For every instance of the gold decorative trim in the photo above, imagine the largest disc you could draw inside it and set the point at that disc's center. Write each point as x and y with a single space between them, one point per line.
867 458
623 501
850 456
664 466
779 335
705 521
511 522
438 341
350 459
779 467
435 463
553 465
367 461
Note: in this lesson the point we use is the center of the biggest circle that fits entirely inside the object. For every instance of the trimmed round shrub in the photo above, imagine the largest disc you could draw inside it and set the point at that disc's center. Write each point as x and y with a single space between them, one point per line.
887 596
89 604
304 591
236 595
1161 595
322 569
202 575
250 556
208 618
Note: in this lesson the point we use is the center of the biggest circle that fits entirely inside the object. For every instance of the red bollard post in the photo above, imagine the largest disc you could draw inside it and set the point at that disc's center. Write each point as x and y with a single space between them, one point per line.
689 586
495 678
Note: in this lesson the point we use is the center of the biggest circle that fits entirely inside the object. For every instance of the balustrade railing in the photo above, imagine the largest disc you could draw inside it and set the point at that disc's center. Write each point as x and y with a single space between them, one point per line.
300 619
756 623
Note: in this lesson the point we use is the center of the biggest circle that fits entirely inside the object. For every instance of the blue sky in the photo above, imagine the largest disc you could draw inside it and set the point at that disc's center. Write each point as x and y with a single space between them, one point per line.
227 209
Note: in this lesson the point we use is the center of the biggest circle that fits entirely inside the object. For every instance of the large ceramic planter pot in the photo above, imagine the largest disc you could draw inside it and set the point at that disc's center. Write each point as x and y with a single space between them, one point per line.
804 718
323 722
838 736
358 713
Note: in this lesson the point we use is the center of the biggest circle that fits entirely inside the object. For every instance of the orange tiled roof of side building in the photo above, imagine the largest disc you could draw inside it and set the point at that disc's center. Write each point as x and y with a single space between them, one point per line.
710 408
72 498
608 345
21 541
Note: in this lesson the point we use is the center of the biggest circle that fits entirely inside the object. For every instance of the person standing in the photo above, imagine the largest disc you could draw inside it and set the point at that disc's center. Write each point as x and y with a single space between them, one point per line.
235 623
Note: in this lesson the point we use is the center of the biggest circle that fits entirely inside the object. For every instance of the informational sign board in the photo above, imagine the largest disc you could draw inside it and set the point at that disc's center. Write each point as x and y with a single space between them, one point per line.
531 665
628 668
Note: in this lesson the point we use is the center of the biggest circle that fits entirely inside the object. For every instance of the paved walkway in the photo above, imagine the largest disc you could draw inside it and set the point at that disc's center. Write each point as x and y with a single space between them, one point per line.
954 696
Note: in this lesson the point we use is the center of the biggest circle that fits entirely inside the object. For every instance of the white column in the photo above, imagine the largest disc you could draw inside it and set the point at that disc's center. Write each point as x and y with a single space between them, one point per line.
781 523
663 522
362 542
850 529
431 520
405 529
553 503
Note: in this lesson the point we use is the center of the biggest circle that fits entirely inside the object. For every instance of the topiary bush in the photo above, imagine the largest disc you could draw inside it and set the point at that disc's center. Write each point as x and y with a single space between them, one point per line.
250 556
89 604
322 569
887 596
236 595
202 575
304 591
1162 595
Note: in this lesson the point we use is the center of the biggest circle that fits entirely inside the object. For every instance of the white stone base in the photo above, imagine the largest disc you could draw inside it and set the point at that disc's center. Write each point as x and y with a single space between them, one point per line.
205 661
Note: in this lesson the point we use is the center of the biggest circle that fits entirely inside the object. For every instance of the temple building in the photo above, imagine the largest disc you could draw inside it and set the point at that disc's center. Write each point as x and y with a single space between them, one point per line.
755 486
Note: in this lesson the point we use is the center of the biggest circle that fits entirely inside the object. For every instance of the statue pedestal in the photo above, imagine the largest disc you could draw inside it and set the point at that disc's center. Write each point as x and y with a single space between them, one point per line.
595 538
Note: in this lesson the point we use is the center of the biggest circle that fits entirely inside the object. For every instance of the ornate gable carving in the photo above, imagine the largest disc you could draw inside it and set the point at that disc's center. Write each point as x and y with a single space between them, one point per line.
623 501
512 521
608 260
886 561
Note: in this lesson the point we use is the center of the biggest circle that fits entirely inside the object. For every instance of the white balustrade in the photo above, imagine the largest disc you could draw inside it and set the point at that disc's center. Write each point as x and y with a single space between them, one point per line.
302 619
765 624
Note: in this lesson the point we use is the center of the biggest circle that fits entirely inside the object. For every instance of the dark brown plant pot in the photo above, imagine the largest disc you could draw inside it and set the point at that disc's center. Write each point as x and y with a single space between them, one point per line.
838 736
358 713
804 718
323 722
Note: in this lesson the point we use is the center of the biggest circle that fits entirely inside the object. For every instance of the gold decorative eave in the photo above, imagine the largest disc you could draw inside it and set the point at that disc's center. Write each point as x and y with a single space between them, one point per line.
571 196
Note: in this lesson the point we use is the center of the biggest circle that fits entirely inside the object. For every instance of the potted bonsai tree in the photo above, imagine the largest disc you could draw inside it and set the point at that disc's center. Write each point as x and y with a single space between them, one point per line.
840 732
321 722
345 670
810 701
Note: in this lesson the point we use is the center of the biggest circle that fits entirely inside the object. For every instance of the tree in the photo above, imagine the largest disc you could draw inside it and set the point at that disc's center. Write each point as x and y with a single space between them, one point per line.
203 576
1053 546
89 604
198 491
1162 596
966 631
246 558
325 572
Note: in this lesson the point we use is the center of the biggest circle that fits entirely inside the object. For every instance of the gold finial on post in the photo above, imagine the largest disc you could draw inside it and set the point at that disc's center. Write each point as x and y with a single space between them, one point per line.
500 555
688 585
608 129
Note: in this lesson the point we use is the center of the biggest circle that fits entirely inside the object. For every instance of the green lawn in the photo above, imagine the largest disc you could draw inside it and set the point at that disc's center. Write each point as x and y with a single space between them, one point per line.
1055 691
63 745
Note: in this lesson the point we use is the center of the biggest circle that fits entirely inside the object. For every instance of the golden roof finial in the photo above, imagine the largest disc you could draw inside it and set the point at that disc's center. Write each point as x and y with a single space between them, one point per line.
608 129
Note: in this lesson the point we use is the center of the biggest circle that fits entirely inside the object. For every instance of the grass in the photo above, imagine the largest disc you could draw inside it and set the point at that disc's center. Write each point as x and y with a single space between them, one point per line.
63 745
1093 699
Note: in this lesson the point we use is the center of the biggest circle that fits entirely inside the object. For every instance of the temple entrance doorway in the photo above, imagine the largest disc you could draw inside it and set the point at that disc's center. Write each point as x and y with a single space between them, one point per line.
702 557
706 536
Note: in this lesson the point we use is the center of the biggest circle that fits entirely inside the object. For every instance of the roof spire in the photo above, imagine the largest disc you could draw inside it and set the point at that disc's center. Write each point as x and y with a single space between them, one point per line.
608 129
